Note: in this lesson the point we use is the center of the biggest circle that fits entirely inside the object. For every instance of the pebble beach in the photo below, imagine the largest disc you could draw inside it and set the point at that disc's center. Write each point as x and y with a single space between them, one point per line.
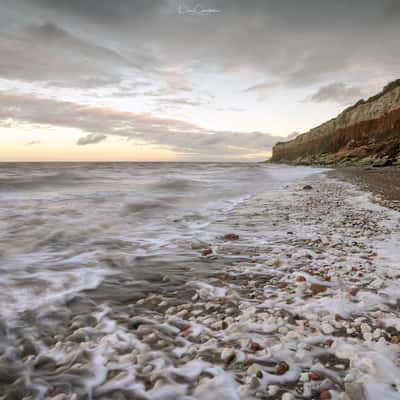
292 294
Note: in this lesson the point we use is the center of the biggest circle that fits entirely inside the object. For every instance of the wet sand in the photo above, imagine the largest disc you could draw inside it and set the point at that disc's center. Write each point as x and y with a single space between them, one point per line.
383 182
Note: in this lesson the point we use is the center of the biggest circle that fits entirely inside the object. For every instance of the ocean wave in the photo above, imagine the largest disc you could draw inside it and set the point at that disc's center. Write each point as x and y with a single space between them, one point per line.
144 206
32 182
176 184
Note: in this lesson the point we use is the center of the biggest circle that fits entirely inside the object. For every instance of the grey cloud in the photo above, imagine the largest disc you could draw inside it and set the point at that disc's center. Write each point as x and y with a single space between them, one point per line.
103 10
294 43
96 123
337 92
92 138
57 54
262 87
48 53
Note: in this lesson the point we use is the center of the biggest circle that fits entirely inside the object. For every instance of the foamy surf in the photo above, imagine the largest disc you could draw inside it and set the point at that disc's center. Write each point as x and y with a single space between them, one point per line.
280 292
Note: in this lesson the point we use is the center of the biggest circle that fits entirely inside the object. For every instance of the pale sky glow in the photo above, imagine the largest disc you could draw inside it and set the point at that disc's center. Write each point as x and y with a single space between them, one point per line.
138 80
20 144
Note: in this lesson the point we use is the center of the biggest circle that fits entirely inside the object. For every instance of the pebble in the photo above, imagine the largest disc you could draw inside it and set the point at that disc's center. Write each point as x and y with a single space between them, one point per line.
327 328
325 395
228 355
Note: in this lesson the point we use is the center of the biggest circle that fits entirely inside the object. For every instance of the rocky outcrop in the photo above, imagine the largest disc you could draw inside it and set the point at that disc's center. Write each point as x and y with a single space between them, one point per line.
366 133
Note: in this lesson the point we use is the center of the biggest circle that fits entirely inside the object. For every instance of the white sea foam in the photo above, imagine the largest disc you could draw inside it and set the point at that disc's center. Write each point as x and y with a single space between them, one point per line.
154 338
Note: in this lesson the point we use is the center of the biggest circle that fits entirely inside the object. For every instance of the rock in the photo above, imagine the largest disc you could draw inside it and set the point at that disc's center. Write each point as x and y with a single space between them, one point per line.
254 346
206 252
300 278
307 187
317 288
217 326
182 314
227 356
338 318
147 369
78 336
314 376
353 292
326 328
231 236
325 395
282 368
329 342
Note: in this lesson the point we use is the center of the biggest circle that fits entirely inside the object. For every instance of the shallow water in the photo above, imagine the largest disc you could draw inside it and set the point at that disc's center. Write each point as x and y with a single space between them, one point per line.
64 227
77 240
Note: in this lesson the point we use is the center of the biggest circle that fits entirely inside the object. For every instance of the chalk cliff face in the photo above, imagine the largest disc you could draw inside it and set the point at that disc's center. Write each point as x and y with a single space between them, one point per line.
366 133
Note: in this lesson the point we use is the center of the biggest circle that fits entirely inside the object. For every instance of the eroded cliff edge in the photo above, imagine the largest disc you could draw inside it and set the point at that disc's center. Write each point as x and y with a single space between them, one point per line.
366 133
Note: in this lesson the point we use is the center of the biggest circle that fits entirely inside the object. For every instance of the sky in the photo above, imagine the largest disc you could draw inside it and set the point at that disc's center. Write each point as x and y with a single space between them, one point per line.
183 80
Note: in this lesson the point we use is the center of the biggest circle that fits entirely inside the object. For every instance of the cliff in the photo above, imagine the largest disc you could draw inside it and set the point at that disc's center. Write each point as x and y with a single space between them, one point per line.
366 133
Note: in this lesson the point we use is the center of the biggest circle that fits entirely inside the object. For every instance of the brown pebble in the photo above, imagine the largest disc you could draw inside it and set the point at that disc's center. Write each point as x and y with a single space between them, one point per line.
231 236
254 346
314 376
206 252
282 368
353 292
330 342
230 359
317 288
395 340
325 395
338 317
300 278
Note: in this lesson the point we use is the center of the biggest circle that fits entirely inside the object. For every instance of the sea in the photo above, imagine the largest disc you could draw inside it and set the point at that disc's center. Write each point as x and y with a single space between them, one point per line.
81 239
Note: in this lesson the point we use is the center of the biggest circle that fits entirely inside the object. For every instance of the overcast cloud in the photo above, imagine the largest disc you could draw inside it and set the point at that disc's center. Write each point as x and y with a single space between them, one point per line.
337 92
296 42
336 50
98 123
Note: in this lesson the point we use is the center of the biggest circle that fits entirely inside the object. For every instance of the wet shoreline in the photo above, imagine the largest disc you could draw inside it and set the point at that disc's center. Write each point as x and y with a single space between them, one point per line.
292 294
384 182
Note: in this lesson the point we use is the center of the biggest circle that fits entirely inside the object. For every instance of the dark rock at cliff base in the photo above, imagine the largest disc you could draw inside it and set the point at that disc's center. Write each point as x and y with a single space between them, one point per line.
382 163
367 133
307 187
